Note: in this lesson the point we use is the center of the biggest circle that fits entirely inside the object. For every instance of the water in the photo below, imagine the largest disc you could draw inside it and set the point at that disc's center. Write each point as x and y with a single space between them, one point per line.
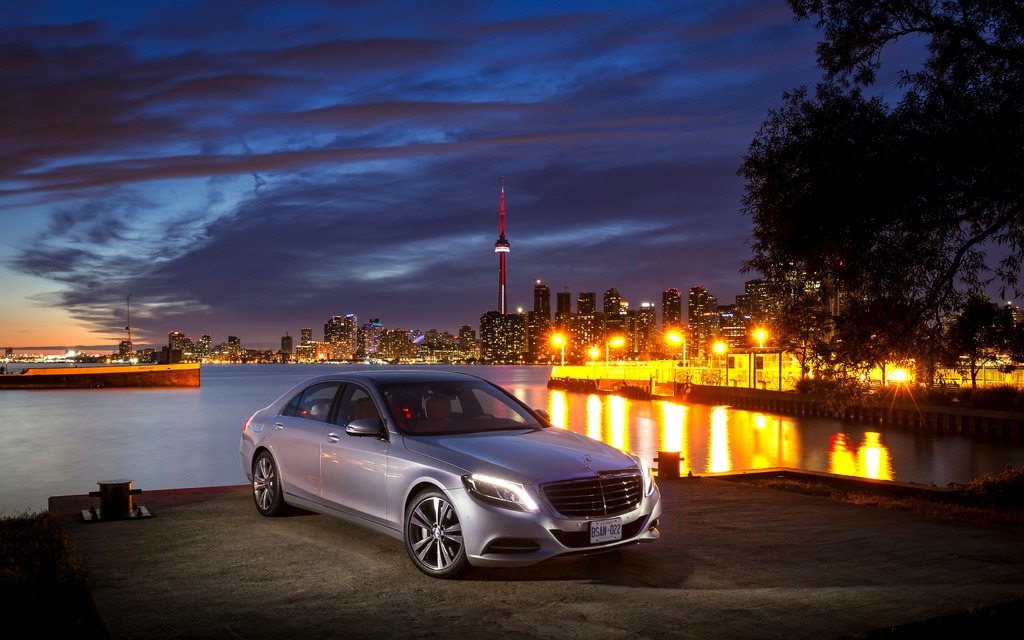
63 442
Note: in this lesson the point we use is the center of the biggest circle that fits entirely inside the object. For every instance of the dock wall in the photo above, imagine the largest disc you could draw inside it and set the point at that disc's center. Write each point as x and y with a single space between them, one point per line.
938 419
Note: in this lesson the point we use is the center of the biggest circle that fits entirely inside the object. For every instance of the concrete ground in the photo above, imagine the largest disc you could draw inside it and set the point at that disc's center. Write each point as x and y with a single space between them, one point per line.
734 561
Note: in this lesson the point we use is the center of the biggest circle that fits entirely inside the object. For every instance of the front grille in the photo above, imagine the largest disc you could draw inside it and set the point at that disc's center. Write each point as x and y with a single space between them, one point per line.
606 494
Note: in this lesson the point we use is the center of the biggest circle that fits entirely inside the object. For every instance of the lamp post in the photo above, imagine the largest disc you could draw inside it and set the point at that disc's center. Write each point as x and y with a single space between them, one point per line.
760 335
616 342
720 349
559 341
674 338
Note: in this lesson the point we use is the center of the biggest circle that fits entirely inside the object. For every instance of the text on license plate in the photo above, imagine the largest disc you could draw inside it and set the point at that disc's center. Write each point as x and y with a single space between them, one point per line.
605 530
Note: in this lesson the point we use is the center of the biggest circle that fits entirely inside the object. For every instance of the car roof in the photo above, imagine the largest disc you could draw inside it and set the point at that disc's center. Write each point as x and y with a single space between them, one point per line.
395 375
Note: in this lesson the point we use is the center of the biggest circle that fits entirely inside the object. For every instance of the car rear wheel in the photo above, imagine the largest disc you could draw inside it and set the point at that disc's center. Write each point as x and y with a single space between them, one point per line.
266 487
433 536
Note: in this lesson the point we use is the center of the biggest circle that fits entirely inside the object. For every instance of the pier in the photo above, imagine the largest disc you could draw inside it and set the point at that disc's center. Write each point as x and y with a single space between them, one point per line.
668 381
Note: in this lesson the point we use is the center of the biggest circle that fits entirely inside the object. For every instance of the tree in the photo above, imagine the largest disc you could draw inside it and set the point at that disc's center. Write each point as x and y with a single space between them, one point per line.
896 209
983 333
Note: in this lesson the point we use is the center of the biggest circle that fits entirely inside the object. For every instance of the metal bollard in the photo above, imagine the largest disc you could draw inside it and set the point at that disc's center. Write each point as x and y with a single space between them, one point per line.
668 464
115 501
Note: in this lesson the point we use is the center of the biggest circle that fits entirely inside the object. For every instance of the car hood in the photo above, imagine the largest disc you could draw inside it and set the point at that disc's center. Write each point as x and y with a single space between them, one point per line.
523 456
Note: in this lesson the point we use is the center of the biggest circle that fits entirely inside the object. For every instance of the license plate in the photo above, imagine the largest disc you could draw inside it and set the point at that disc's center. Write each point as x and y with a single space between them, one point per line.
605 530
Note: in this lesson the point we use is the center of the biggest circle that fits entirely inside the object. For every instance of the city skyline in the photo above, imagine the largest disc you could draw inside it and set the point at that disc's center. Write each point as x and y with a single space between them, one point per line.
234 171
319 329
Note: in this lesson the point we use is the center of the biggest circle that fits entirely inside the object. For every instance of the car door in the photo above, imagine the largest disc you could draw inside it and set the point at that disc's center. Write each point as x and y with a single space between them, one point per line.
355 467
296 437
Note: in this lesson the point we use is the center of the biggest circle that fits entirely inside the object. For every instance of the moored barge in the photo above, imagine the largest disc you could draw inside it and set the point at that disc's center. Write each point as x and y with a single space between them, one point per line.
113 376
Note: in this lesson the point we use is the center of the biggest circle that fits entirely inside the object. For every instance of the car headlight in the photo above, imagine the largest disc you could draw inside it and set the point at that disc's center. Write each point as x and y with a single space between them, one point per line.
502 493
647 473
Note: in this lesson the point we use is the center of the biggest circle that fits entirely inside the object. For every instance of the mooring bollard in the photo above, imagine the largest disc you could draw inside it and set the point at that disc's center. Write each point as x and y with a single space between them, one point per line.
668 464
115 502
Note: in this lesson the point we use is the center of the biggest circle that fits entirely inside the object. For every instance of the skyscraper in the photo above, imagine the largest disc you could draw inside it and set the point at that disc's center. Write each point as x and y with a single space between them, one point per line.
703 317
341 333
539 322
563 307
542 300
671 309
612 300
586 303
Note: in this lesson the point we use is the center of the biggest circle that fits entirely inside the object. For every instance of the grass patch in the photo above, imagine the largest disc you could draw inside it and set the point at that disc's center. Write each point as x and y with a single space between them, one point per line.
43 579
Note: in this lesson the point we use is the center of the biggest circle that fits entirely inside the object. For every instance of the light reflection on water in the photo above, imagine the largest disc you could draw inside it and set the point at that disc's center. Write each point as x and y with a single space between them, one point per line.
64 442
708 439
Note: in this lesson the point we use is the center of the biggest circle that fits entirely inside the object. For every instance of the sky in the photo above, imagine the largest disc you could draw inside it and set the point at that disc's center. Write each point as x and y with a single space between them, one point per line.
250 169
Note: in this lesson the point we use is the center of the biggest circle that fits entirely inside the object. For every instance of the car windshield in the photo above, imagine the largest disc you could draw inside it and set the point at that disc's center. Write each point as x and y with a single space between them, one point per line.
433 408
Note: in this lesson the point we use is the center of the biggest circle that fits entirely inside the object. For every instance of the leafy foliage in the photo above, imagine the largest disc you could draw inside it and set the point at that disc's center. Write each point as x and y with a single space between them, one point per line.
893 211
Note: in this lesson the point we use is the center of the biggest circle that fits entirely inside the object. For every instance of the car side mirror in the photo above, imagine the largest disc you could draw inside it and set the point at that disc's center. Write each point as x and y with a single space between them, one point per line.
363 427
543 414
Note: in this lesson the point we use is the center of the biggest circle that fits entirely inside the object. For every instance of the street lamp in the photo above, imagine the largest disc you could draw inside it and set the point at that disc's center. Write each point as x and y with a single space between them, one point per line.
675 339
559 341
616 342
760 335
720 349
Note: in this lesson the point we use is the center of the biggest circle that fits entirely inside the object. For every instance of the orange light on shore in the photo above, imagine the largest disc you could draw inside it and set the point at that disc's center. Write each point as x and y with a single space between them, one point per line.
760 335
559 341
616 342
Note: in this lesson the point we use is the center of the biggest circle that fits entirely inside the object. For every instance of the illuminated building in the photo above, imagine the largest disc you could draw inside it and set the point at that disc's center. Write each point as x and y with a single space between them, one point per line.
539 322
502 337
616 313
563 308
467 340
395 345
757 302
734 326
341 334
586 303
643 326
702 310
671 310
368 338
205 346
176 340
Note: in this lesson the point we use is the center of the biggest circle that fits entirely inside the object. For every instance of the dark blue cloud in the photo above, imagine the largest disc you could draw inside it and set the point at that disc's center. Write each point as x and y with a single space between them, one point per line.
251 171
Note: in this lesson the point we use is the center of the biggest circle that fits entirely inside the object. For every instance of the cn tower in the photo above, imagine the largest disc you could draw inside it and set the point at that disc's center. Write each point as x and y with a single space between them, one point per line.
501 247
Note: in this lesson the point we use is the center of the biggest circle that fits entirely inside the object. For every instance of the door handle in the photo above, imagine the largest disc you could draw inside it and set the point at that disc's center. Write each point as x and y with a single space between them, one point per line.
278 425
332 437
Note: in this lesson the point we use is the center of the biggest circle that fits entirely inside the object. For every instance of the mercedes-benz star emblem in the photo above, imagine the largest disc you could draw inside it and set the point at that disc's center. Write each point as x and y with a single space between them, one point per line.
587 460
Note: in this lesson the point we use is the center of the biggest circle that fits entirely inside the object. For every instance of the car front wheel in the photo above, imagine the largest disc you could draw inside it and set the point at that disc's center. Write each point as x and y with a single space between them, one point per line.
266 487
433 536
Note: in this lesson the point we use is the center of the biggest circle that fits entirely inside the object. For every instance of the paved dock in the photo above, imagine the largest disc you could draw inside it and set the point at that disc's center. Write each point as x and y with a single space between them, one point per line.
734 561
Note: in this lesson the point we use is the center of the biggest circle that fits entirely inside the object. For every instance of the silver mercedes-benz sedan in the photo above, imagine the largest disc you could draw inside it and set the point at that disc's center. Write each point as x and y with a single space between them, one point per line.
455 466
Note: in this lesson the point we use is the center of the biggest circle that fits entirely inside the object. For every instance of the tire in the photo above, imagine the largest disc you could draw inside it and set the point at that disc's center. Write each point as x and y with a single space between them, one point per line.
266 487
433 536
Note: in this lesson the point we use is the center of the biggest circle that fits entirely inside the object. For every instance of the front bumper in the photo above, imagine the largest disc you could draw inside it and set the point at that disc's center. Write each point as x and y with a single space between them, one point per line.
498 537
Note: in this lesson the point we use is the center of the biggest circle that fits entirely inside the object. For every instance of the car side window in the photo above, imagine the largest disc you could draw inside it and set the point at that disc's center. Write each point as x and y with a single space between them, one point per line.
314 403
356 404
